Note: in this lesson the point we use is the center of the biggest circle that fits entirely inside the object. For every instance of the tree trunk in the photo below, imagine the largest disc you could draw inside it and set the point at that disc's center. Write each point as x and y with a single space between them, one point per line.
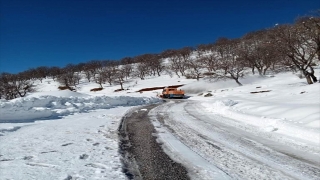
309 79
314 78
318 51
252 69
177 74
238 82
260 71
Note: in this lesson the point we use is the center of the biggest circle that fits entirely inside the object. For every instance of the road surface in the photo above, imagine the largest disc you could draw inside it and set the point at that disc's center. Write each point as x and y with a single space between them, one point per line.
206 146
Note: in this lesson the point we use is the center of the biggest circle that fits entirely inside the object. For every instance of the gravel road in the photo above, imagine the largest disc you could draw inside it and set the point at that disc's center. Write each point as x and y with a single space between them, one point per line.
143 157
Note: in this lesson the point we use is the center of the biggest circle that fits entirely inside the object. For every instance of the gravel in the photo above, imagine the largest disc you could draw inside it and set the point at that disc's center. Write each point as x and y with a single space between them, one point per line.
143 157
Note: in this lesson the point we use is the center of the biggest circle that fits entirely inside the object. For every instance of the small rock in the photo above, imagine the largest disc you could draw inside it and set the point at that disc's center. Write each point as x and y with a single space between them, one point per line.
83 156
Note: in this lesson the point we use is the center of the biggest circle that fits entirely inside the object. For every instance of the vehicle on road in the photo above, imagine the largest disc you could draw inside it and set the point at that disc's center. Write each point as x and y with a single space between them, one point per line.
172 93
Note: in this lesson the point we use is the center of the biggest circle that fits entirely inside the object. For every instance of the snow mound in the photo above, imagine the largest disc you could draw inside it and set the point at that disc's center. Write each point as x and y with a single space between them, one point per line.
29 109
225 102
219 106
65 93
229 102
270 128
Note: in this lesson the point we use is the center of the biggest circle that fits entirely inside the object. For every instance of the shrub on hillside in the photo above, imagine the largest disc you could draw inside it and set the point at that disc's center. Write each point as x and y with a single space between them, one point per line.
65 88
96 89
14 85
117 90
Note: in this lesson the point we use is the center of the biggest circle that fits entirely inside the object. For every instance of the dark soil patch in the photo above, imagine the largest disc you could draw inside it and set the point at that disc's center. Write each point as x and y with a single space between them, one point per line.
161 87
260 91
96 89
66 88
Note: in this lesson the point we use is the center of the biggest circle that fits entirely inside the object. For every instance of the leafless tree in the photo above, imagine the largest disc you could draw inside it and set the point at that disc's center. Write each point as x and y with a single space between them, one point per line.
68 76
195 68
15 85
127 66
175 61
143 65
127 69
65 79
295 42
88 72
119 76
110 70
101 76
184 56
259 51
73 74
310 26
91 69
54 72
230 65
127 60
155 64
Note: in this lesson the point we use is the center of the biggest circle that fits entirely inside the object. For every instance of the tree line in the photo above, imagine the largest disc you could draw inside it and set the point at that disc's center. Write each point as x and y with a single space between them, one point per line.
289 47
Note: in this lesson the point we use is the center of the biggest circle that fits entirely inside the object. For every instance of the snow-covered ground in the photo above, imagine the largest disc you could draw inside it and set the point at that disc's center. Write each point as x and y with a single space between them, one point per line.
55 134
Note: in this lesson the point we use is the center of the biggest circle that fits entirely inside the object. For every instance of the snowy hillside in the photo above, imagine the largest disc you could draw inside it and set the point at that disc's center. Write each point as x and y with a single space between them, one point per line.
54 134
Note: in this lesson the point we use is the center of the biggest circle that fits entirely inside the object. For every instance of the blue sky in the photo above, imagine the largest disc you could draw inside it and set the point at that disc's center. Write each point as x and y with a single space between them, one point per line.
54 33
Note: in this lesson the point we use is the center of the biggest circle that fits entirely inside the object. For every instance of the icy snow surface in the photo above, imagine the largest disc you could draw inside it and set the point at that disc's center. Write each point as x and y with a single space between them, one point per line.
63 135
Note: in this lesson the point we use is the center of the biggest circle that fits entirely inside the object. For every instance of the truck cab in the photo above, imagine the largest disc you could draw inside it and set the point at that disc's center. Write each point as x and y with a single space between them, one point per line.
172 93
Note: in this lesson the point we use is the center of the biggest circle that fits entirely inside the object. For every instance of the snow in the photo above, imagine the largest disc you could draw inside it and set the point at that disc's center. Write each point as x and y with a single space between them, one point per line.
78 146
48 106
290 109
181 153
54 134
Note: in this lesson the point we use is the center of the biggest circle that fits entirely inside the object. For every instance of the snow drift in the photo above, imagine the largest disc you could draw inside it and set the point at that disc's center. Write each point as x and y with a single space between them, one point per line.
29 109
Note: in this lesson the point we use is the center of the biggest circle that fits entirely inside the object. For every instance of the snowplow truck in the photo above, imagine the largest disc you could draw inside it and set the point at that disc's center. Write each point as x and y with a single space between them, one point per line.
172 93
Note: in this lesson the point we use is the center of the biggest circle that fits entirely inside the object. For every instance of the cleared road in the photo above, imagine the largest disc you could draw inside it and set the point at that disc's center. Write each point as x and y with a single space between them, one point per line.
143 156
238 151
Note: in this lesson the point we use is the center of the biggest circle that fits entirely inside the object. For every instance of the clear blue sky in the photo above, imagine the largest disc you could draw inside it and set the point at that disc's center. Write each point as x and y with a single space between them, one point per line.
54 33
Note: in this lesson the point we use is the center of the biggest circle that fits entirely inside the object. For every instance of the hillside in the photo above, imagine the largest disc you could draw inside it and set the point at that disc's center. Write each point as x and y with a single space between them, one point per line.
36 127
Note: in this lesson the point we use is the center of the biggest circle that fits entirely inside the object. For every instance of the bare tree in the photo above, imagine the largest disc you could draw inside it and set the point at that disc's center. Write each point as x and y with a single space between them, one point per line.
53 72
127 69
91 68
73 74
230 65
65 79
195 68
88 72
175 62
259 51
127 66
155 64
15 85
101 76
120 74
143 66
68 76
310 26
295 43
127 60
110 71
184 55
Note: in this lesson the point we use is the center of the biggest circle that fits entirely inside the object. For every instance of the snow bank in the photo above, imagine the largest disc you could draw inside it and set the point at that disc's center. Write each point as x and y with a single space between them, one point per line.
57 93
31 108
271 118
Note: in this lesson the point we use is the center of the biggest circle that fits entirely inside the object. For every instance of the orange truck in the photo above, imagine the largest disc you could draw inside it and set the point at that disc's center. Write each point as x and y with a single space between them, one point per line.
172 93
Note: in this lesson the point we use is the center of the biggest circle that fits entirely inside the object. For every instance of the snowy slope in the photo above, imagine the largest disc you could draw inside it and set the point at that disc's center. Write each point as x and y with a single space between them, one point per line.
54 134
